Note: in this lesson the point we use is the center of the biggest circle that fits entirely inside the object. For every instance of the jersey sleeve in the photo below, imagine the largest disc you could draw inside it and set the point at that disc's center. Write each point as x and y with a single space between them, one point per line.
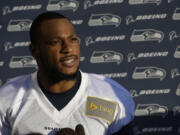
125 108
124 115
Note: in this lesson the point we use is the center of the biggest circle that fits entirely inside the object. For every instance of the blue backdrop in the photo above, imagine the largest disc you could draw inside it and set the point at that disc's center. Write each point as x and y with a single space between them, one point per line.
135 42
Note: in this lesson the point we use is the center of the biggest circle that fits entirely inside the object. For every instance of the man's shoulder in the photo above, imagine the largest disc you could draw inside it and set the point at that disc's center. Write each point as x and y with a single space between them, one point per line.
13 85
12 92
107 86
100 79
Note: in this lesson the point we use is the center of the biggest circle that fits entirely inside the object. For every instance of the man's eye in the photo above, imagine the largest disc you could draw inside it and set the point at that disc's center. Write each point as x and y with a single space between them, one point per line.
53 42
74 39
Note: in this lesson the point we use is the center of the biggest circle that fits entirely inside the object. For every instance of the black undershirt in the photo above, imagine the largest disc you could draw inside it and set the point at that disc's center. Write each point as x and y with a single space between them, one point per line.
60 100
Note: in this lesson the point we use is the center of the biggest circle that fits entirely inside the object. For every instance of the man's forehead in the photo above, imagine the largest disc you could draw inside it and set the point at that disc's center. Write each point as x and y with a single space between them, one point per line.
57 21
53 26
62 36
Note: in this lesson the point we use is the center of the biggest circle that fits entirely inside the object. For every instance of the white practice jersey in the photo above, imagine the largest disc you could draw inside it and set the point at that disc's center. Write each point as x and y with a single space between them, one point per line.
101 105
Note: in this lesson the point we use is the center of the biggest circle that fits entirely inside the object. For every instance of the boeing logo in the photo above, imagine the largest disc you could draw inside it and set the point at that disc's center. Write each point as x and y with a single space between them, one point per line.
137 2
175 73
157 129
132 56
135 93
90 40
89 3
130 19
76 22
115 75
173 35
9 45
7 9
151 130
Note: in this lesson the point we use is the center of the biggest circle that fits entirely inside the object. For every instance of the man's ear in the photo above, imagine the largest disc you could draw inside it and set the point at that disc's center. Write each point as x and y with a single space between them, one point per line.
34 50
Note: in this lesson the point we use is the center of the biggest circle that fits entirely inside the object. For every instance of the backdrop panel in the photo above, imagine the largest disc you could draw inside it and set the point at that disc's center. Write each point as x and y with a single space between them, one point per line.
135 42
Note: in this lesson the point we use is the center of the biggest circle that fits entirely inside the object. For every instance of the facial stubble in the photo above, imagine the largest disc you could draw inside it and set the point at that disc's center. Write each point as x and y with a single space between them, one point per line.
53 74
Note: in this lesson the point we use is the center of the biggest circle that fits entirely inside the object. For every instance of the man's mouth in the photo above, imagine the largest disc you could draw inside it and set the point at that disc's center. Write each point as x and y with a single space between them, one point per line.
69 61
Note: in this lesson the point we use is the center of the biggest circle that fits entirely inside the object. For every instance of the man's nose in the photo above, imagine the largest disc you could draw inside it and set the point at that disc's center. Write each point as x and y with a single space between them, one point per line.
66 47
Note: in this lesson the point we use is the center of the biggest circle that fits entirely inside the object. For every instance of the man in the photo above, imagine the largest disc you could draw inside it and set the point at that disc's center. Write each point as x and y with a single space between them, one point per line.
59 95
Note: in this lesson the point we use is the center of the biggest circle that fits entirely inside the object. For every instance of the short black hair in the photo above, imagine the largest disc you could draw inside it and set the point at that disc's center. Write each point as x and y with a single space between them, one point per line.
36 24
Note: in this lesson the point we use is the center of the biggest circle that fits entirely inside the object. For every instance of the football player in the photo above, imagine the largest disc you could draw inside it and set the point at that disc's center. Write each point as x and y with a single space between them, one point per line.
59 95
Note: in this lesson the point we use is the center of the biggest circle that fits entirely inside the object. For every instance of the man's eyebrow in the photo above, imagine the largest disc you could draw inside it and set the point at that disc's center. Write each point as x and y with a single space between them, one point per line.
56 37
73 35
59 37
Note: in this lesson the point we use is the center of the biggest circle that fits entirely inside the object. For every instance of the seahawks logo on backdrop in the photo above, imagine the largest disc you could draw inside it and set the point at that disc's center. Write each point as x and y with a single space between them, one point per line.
62 5
177 52
104 19
19 25
176 14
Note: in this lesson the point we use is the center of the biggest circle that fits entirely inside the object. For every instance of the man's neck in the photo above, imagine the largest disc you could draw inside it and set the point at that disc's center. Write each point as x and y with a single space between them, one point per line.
55 87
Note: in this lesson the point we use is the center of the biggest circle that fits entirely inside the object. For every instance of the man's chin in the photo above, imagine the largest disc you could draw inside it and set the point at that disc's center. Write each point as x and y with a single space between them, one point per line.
59 76
70 76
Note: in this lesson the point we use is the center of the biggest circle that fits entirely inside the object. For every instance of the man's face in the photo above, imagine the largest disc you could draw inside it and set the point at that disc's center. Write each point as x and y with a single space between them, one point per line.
59 50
